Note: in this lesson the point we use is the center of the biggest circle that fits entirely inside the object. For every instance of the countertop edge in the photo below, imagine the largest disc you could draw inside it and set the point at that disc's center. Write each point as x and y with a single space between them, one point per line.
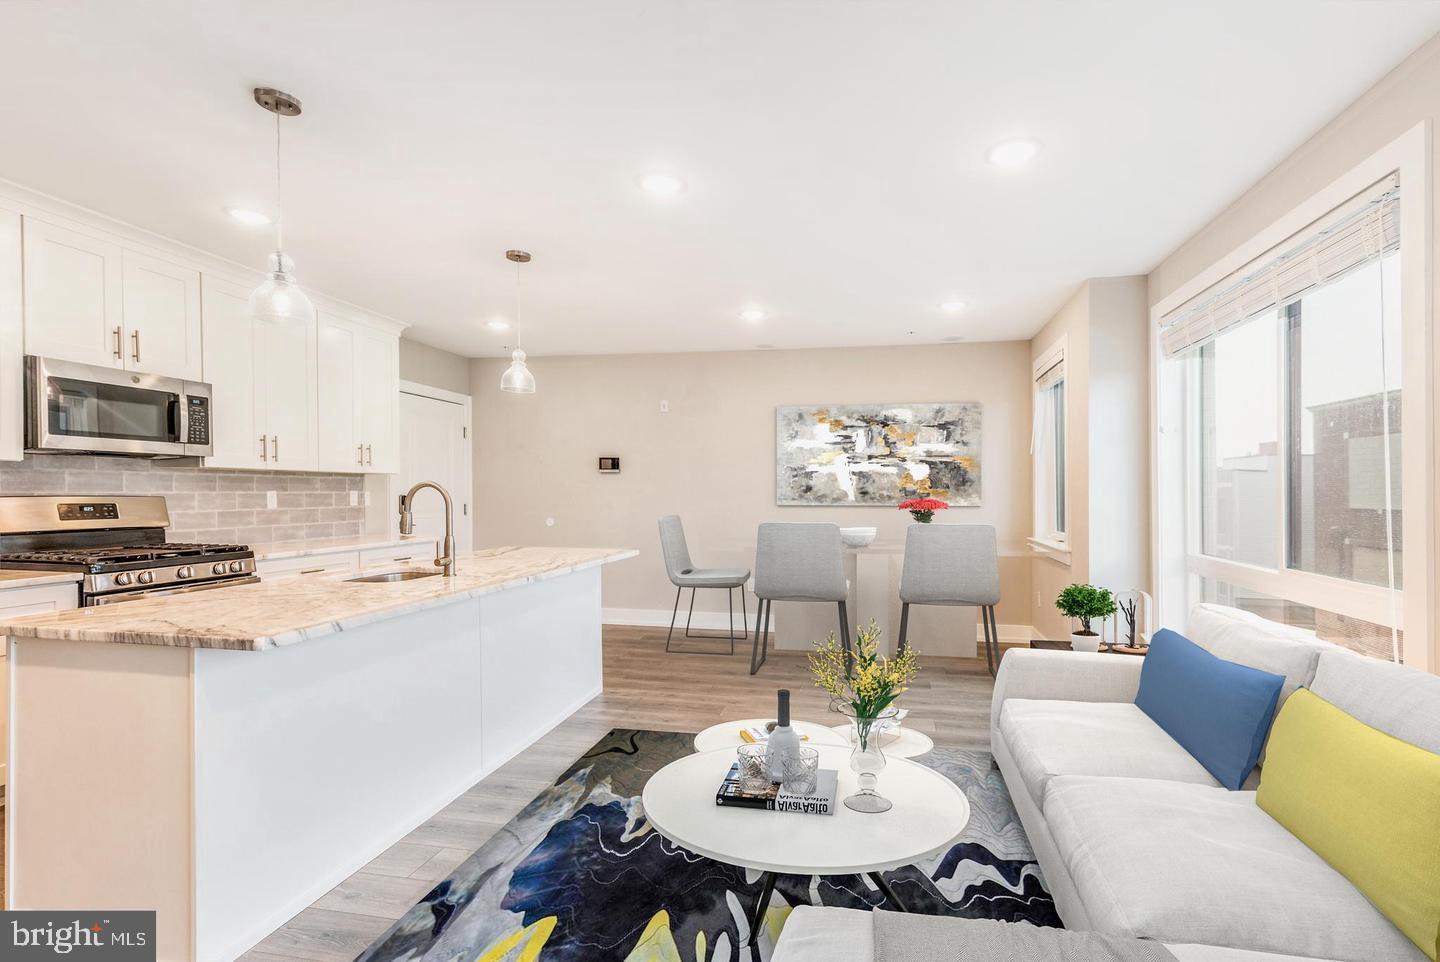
176 639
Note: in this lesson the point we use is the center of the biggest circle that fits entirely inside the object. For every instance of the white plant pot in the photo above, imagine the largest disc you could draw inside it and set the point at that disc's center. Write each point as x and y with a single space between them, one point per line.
1079 642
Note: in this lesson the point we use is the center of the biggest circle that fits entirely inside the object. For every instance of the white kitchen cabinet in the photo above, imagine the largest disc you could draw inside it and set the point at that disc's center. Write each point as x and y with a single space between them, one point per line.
15 602
378 366
359 386
87 299
328 565
161 311
73 302
264 388
340 446
12 340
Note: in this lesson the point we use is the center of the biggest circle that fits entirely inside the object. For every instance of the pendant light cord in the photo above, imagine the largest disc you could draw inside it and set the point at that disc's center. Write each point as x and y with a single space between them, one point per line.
517 306
279 207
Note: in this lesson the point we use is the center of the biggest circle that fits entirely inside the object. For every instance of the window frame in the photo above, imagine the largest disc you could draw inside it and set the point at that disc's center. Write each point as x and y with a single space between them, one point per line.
1050 469
1176 570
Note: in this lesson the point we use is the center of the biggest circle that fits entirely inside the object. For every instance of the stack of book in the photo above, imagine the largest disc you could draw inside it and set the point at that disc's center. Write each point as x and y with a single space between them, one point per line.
774 798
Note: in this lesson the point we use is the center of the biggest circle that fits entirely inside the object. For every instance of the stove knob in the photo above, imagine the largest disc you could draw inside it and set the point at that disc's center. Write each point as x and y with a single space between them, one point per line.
184 571
123 579
145 577
236 567
218 568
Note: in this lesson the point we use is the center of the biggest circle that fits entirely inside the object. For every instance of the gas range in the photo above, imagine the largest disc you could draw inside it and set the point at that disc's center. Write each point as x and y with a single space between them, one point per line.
118 546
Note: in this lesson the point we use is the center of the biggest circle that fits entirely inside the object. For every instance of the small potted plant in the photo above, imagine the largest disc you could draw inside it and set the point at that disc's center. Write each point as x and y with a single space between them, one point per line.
1085 603
923 509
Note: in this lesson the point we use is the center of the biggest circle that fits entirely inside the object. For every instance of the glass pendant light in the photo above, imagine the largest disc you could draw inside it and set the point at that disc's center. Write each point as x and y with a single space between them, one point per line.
280 298
517 378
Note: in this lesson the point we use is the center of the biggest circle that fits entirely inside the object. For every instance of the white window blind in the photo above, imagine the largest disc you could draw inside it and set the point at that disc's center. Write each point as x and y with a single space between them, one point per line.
1354 234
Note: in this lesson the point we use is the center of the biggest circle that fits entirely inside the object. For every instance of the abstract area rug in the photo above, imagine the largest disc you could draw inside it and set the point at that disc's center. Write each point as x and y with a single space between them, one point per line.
578 876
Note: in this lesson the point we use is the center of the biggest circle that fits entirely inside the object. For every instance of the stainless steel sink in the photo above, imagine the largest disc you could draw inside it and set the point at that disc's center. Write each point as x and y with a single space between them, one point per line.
386 576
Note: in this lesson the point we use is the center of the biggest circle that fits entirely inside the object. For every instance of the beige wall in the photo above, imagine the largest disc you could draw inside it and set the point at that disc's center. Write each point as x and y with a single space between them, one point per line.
1107 449
433 367
711 459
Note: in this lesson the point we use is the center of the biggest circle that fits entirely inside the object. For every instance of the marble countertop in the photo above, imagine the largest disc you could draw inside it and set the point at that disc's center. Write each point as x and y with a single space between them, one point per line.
19 578
303 549
270 614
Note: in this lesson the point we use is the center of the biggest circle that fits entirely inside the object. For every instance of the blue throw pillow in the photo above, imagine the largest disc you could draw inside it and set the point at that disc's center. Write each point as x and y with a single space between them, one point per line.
1218 711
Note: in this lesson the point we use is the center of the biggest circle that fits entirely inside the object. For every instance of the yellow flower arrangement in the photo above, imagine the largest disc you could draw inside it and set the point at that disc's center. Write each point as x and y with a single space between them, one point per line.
865 685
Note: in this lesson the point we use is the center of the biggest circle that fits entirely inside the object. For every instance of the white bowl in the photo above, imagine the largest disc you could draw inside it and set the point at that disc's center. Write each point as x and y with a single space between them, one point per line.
857 537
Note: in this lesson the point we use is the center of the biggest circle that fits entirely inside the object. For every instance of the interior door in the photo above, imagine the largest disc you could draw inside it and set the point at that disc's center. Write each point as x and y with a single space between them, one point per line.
340 447
435 446
72 295
231 361
162 317
286 356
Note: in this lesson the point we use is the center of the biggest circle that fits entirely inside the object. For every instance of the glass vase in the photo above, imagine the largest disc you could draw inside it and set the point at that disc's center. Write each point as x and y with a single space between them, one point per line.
867 760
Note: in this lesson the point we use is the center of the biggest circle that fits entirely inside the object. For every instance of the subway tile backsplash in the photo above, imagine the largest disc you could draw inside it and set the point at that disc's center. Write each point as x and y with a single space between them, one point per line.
206 504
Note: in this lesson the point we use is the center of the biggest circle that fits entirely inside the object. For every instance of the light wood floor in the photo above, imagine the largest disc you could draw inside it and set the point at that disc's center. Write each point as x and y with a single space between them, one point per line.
644 688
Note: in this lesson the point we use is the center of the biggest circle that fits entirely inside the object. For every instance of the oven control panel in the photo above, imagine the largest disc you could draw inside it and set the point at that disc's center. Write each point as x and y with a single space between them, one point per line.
197 420
89 511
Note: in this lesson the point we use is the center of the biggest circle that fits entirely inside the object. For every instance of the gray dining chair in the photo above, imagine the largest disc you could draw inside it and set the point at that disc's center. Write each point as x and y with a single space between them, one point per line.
797 562
683 574
952 564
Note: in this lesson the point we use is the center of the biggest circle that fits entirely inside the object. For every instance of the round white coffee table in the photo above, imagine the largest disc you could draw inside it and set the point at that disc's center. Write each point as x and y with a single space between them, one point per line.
906 743
727 734
929 813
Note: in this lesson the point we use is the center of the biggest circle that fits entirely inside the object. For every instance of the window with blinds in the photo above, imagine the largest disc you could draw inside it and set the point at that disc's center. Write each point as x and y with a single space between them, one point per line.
1047 448
1292 432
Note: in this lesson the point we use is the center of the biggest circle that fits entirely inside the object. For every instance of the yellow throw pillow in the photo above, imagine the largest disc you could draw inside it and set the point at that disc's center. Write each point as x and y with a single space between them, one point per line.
1364 801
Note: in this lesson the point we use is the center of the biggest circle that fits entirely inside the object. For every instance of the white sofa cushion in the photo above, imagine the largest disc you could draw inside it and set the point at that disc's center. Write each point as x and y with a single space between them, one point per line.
1186 863
1050 738
1247 639
814 934
1400 701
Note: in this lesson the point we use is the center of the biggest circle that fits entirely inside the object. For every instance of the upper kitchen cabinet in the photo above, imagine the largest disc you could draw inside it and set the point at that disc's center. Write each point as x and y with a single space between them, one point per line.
12 340
73 285
263 384
89 300
161 310
359 383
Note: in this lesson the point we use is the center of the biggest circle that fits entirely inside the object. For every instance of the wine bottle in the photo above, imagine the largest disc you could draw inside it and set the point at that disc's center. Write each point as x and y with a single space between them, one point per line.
783 745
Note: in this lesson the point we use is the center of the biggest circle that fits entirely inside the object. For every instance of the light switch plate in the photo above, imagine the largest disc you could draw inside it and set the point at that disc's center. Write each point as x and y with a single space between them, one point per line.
664 407
354 498
271 501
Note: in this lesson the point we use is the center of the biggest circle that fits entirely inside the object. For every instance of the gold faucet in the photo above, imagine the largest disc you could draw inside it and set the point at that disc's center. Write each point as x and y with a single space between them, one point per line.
444 558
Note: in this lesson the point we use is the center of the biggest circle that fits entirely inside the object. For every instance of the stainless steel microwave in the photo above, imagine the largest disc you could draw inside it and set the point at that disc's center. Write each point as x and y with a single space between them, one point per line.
84 408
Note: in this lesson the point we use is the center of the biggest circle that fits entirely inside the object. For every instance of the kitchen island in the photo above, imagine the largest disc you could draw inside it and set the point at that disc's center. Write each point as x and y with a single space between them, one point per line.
228 756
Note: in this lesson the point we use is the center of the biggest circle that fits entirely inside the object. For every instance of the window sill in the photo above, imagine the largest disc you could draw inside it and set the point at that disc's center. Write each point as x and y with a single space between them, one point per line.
1054 550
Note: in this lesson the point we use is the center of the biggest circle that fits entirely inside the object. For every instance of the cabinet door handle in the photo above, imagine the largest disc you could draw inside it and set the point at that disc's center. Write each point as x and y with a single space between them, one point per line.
135 345
369 455
263 456
359 454
312 571
275 447
119 351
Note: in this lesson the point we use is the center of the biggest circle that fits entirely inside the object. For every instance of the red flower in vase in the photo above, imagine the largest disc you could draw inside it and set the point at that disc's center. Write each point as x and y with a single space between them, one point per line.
923 509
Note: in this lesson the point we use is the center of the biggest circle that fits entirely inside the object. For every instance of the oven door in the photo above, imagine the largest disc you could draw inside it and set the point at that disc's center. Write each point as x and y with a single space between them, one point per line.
119 596
81 407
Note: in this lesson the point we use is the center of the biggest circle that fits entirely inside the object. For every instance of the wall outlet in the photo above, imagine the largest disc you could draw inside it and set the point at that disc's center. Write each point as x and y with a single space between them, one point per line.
271 501
354 498
367 499
549 522
664 407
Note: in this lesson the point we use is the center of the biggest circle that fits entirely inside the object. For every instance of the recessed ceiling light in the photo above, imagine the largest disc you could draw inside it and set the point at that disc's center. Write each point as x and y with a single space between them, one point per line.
952 307
661 184
1013 153
753 314
250 218
498 325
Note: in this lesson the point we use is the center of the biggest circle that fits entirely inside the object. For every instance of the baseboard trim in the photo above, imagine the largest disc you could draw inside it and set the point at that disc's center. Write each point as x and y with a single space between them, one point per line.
1011 635
660 618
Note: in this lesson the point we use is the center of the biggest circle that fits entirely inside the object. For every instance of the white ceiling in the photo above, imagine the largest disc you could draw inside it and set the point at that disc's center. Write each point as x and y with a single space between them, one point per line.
834 151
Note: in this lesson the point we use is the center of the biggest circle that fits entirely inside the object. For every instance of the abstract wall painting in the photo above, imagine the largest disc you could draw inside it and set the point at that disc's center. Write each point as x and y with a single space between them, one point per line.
877 454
